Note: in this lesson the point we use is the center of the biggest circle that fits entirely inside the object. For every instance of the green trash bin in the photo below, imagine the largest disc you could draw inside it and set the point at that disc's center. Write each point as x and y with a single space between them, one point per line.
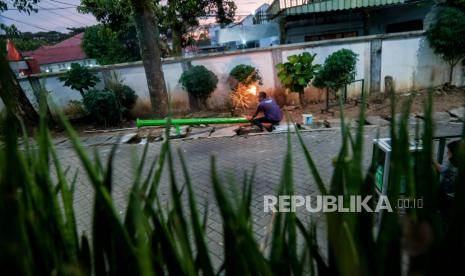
381 159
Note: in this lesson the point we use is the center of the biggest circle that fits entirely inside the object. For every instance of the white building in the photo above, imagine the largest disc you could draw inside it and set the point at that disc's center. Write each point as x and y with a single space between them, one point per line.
252 31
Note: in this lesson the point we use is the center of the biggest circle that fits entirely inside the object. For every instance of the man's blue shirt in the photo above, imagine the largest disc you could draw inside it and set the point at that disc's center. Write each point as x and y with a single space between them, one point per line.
270 109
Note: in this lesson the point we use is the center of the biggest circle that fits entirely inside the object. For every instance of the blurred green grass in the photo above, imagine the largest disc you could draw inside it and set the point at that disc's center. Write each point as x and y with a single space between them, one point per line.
38 233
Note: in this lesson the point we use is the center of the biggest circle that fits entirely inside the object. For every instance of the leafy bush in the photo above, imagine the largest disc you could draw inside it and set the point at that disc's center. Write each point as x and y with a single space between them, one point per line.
199 83
75 109
447 37
339 67
127 97
297 73
241 78
246 75
103 106
79 78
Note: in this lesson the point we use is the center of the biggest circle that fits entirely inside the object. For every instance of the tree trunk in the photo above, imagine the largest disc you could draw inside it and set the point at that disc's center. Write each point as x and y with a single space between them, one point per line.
177 42
147 32
451 73
221 14
193 102
41 94
302 98
202 102
14 98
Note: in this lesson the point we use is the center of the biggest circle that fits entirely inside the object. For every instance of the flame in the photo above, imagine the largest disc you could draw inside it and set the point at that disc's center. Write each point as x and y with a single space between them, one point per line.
252 90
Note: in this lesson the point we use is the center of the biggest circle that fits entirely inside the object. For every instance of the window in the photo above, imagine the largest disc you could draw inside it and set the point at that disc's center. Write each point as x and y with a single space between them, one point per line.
406 26
330 36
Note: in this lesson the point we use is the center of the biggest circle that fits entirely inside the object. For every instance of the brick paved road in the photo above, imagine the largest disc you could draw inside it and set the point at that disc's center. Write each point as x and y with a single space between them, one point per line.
234 156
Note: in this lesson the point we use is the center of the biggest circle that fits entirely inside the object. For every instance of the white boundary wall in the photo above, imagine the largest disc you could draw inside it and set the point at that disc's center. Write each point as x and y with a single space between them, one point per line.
406 57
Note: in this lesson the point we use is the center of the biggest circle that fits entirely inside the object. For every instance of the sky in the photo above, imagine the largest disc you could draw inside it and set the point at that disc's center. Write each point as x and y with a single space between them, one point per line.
57 15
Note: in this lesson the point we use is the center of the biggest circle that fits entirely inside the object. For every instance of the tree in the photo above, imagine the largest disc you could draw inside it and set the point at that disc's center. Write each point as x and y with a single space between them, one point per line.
79 78
27 41
447 37
147 31
244 74
459 4
114 17
102 43
16 102
297 73
225 11
203 40
339 68
200 83
177 19
242 79
13 96
179 16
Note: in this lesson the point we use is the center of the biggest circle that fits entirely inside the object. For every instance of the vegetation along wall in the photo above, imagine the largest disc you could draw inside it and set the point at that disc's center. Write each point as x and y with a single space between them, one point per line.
406 57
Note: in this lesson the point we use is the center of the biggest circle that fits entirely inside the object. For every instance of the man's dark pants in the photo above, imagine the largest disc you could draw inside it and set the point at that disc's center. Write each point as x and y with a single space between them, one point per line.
259 122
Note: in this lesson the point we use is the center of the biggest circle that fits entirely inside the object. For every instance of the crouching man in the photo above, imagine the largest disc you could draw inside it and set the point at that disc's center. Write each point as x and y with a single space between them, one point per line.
271 112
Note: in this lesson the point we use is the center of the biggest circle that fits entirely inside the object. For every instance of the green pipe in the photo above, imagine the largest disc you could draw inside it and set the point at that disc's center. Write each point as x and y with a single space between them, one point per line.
191 121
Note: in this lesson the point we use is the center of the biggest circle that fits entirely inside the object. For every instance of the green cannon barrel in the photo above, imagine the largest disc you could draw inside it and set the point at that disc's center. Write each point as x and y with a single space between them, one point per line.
192 121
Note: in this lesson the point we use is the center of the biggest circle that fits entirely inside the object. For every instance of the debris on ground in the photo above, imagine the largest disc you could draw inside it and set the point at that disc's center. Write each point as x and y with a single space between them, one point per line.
376 120
458 112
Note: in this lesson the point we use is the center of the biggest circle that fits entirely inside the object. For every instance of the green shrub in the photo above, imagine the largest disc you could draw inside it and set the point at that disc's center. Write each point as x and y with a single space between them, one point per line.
79 78
240 80
297 73
447 37
246 75
75 109
127 97
103 106
199 83
339 67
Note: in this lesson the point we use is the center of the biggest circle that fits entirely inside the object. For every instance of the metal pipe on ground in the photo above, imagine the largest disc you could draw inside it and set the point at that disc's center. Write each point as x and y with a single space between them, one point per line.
191 121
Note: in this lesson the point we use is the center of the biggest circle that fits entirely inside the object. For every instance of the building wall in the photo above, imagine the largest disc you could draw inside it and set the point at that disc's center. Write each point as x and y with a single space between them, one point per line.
351 21
222 65
406 57
379 19
413 64
297 31
362 49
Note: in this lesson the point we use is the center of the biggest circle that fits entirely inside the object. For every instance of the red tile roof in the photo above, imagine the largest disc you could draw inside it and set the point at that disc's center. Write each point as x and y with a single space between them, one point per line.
67 50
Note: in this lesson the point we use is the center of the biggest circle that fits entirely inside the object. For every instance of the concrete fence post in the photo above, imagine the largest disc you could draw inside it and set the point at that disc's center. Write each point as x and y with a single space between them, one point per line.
389 87
193 103
276 57
106 76
375 65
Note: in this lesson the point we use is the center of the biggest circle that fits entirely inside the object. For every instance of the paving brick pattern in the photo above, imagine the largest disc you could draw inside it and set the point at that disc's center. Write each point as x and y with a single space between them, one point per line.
234 156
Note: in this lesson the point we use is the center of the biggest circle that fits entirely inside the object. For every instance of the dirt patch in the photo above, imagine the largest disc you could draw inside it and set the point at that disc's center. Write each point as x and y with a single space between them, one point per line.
444 98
